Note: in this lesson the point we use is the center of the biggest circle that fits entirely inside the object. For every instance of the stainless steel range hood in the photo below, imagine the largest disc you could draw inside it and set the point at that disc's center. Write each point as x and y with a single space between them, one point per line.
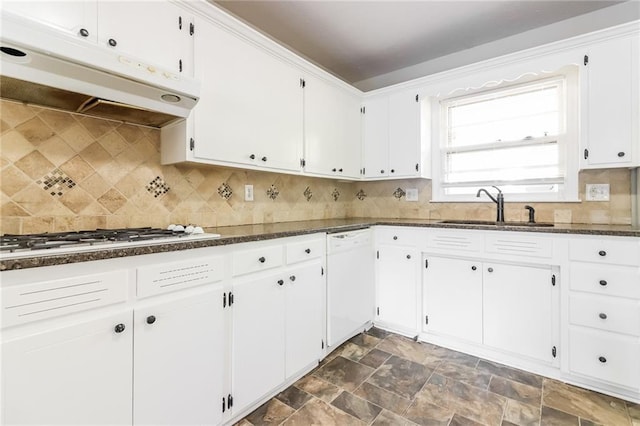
42 67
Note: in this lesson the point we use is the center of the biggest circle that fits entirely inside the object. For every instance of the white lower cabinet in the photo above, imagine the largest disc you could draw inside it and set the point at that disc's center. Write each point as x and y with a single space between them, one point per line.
178 361
452 295
517 306
76 374
397 288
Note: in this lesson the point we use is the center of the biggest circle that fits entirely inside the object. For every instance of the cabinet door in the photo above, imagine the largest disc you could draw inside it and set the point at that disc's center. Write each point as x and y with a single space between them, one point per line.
66 16
610 104
157 33
375 138
453 298
79 374
178 361
398 287
517 314
304 316
258 338
404 134
250 107
331 130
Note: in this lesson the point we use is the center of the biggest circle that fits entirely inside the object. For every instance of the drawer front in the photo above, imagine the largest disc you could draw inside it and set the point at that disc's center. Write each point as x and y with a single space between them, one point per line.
400 236
622 281
606 250
259 259
605 356
49 299
305 250
454 240
606 313
173 276
518 245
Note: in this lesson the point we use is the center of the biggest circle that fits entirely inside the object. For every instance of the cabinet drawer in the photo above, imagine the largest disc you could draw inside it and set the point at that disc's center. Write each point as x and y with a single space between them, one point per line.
606 313
607 280
410 237
518 245
166 277
49 299
455 240
305 250
605 356
258 259
606 250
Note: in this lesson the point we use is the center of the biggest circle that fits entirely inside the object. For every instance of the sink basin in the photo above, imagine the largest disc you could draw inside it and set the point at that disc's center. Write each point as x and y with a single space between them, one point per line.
493 223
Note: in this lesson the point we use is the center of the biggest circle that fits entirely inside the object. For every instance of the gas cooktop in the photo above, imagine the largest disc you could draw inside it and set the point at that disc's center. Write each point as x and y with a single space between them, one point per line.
76 241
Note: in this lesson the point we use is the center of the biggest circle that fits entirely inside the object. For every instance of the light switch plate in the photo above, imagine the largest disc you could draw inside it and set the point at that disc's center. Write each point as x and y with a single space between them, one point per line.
411 194
248 192
597 192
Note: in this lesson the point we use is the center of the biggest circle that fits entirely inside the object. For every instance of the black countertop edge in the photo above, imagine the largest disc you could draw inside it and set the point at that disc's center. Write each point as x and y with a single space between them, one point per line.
260 232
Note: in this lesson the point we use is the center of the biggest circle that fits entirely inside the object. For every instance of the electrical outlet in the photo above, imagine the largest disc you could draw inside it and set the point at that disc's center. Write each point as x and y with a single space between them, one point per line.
597 192
248 192
411 194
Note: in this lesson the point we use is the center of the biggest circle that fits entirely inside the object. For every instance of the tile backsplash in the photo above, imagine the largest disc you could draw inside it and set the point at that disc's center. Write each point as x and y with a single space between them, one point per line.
63 171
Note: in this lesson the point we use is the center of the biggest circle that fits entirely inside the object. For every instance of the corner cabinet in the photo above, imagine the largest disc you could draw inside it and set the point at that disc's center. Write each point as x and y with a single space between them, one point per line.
392 137
332 131
610 104
250 110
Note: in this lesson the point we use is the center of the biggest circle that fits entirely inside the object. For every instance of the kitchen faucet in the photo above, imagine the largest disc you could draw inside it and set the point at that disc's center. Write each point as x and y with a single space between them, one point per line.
499 202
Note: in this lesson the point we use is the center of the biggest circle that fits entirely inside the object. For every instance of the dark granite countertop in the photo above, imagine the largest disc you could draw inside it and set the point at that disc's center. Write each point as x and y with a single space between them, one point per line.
248 233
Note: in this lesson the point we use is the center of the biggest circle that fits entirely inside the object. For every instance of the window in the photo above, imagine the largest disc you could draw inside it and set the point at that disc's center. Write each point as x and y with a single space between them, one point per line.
521 138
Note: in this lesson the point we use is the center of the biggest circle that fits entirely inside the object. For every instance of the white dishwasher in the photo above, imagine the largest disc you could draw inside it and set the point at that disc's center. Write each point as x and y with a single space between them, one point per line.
351 288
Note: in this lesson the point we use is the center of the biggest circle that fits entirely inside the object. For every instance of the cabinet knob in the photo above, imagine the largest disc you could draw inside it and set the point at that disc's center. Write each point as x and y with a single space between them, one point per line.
264 159
83 32
393 170
252 156
603 315
119 328
395 237
112 42
473 268
334 169
262 259
340 170
603 283
280 282
307 250
408 256
382 171
490 269
292 277
602 253
621 154
151 319
602 359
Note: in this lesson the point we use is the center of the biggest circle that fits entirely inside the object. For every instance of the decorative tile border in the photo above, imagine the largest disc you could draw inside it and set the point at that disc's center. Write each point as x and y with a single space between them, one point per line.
361 195
308 194
56 182
157 187
273 192
399 193
335 194
225 191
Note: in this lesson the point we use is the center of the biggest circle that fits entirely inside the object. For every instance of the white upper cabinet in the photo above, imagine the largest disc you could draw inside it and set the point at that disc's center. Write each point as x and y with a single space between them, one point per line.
158 33
610 91
250 109
331 129
161 33
392 145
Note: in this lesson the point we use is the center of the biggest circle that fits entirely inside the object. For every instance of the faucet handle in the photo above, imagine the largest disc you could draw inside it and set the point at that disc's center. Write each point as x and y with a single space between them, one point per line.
532 213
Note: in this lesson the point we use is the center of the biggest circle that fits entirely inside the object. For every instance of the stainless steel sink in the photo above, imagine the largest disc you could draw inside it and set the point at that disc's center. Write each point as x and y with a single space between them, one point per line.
494 223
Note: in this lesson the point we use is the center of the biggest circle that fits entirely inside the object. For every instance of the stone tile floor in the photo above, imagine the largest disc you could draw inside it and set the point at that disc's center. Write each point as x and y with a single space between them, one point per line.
380 378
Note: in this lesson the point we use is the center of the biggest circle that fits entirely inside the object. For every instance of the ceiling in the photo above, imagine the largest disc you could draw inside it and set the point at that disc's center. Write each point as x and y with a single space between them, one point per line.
359 40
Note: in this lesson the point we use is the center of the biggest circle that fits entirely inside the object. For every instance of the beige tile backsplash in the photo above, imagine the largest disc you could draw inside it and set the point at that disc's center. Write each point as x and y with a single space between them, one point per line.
63 171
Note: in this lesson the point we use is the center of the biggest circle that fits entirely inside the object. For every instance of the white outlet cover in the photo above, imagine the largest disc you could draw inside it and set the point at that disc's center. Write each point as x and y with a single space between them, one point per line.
411 194
248 192
597 192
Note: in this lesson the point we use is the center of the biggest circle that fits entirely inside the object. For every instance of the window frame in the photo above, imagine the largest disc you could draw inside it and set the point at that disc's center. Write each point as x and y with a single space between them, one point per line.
567 140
